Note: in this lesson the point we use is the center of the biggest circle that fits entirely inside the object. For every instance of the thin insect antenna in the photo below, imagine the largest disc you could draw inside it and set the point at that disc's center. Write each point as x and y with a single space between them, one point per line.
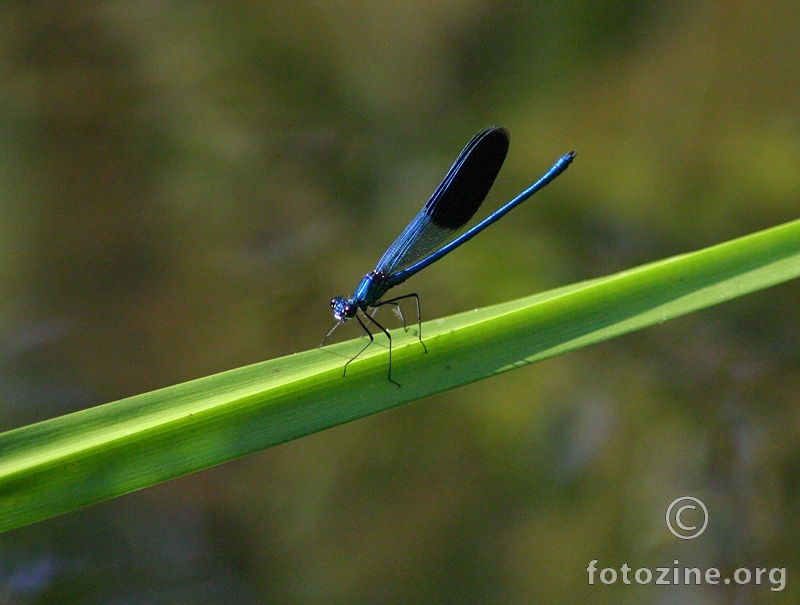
328 335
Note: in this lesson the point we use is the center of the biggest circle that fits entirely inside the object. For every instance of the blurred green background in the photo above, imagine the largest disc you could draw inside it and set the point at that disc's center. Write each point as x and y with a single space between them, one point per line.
183 187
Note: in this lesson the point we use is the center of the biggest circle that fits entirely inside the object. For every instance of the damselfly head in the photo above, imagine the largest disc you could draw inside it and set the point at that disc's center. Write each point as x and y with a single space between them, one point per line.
343 309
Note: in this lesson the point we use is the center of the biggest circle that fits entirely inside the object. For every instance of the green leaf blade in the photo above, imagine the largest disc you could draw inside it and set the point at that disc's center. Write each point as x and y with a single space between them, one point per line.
69 462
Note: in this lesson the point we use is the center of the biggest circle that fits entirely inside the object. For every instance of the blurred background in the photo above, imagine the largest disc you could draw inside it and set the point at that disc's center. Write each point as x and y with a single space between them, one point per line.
184 186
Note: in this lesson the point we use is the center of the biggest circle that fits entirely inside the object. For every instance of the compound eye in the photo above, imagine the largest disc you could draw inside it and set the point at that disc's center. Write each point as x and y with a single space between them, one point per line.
333 302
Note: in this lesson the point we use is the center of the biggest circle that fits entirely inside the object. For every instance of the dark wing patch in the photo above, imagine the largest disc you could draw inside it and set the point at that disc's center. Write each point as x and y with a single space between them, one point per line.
453 204
468 181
